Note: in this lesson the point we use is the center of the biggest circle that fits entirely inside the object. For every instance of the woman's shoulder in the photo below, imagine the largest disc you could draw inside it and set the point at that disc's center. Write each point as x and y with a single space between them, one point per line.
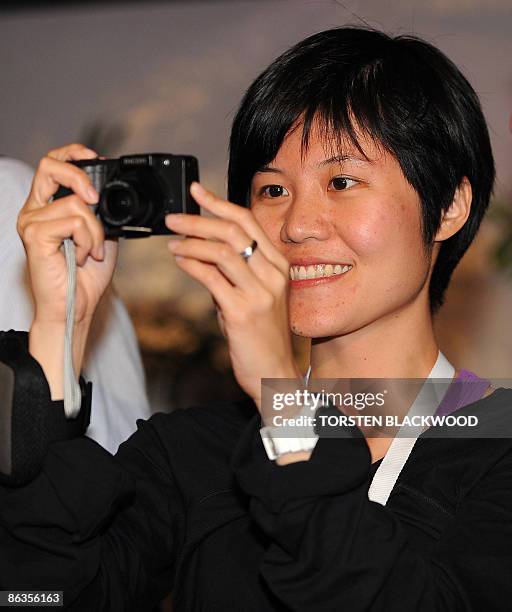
469 441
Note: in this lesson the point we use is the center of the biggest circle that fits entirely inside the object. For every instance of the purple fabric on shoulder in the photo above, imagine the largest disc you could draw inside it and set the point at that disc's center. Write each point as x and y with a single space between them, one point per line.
466 388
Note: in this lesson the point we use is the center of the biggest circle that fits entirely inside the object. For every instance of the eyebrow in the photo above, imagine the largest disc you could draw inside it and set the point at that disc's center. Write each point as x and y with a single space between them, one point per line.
336 159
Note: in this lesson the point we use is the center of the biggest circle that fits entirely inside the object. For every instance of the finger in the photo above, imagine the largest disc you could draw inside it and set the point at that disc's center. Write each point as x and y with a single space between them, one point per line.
222 254
68 207
51 174
243 217
229 232
73 152
211 228
45 238
224 294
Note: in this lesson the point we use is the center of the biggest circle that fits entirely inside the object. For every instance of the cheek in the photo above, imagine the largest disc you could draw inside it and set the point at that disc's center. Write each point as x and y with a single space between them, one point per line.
384 233
269 221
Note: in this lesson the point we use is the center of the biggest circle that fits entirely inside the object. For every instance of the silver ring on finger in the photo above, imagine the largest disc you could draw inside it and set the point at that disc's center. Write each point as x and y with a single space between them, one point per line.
248 251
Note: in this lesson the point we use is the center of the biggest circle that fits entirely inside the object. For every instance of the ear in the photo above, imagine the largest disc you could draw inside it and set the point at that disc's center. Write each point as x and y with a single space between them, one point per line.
457 213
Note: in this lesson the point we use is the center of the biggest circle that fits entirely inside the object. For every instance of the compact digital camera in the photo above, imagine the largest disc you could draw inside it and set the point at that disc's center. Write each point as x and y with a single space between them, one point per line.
137 191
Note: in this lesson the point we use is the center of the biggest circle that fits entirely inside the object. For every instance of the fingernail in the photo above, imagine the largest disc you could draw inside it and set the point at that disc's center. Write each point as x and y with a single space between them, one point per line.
173 246
92 194
197 188
178 257
173 218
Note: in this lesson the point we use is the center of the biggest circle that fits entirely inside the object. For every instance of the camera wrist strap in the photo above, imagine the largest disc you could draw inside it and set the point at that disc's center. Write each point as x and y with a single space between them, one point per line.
72 392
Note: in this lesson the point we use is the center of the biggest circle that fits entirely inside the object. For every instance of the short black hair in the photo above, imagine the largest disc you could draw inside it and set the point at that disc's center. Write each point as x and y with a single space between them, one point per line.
402 92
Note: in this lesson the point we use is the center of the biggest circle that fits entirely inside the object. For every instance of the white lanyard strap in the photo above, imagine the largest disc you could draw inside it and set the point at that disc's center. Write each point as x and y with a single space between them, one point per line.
426 403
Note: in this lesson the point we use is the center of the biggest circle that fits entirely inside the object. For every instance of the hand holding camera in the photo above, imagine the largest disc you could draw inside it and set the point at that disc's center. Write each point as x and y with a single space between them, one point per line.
94 199
43 225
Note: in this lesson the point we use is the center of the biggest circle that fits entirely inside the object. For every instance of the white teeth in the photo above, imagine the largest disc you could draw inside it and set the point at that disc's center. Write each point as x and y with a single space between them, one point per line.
317 271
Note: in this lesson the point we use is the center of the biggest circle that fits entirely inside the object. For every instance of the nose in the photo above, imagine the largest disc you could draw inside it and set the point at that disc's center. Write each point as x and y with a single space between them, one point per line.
305 219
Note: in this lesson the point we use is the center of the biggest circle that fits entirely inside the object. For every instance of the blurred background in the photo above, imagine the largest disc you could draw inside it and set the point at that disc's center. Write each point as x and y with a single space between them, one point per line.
127 77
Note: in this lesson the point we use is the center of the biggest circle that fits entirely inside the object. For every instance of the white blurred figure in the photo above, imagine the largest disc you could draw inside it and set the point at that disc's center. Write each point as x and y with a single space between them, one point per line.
112 360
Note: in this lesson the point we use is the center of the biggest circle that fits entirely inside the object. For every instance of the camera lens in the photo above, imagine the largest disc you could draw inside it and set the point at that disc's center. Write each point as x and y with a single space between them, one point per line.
120 204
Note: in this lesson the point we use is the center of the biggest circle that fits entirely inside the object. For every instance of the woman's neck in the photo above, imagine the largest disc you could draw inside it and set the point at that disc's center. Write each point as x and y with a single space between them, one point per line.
401 345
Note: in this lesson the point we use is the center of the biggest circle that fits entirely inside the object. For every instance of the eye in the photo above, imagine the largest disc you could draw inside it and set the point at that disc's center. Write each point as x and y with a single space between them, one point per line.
273 191
341 183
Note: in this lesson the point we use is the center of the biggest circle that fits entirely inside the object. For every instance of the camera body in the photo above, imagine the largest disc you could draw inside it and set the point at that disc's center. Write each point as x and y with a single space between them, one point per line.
137 191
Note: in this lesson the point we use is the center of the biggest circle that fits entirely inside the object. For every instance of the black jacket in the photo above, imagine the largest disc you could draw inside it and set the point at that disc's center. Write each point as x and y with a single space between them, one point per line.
192 504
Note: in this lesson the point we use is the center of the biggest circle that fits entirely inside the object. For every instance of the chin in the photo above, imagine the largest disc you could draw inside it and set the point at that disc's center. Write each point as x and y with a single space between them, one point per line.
311 326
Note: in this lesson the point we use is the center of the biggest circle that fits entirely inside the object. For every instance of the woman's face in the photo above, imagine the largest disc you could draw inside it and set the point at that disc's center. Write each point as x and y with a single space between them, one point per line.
327 215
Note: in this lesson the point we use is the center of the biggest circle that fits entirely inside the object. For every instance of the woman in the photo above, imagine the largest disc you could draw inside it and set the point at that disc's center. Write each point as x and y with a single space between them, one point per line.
365 166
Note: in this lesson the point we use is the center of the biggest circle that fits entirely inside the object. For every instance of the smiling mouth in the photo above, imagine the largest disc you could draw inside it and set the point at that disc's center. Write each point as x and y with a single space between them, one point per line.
318 271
